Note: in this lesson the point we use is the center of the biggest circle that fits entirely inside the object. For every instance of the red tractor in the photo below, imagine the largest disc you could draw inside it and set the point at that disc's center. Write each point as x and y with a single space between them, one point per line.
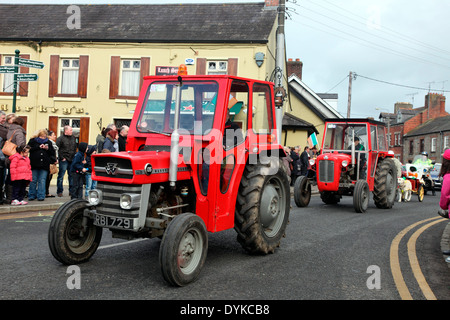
354 161
202 156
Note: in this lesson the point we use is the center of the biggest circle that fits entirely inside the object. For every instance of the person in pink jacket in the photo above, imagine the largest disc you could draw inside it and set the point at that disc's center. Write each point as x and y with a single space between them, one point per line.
21 175
444 202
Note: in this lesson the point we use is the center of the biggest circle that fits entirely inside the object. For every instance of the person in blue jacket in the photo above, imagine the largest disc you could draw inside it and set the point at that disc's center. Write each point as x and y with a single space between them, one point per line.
78 171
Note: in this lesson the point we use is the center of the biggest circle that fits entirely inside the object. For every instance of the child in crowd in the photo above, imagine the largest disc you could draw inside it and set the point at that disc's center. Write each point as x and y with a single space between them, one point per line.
77 170
20 169
90 184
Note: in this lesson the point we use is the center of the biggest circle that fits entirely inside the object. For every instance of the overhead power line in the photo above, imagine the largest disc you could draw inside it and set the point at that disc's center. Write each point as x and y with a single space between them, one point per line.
400 85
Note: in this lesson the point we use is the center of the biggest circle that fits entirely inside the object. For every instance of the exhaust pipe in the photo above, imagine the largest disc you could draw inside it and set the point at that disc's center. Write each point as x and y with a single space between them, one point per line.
175 138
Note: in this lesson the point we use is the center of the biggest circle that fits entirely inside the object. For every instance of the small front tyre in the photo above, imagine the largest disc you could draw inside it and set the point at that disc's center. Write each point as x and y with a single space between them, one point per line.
302 191
72 237
361 196
183 249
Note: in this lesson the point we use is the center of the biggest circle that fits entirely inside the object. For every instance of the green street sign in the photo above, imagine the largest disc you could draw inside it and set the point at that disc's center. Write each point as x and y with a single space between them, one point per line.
26 77
30 63
6 69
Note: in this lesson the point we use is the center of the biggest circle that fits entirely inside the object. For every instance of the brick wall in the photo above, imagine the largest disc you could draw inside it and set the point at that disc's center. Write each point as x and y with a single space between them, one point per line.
427 139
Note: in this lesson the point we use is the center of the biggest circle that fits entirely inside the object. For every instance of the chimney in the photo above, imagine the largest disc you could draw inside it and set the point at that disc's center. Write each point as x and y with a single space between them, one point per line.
271 3
435 105
294 67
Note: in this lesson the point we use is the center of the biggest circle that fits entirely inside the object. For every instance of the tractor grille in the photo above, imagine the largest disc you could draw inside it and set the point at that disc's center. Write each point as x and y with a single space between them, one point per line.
326 171
113 167
111 197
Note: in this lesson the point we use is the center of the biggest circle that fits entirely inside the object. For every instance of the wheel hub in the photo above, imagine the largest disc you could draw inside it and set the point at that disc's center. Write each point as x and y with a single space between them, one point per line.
270 206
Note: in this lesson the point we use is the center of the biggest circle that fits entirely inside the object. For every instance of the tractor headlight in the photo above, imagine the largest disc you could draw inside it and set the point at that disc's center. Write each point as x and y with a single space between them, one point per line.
345 163
130 201
95 197
312 161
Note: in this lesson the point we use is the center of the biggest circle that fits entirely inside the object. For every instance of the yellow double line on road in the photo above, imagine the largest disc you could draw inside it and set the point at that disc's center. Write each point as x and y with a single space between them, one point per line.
395 262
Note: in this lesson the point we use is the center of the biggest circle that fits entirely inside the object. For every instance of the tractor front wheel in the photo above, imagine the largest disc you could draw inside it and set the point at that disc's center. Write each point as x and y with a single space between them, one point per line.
262 207
361 196
302 191
183 249
72 237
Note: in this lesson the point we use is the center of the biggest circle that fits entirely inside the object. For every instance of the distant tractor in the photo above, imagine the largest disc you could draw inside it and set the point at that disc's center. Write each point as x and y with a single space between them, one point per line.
202 156
354 161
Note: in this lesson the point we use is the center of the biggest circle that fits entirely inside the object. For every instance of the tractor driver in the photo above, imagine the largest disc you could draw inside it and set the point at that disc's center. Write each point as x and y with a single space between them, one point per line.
233 133
362 158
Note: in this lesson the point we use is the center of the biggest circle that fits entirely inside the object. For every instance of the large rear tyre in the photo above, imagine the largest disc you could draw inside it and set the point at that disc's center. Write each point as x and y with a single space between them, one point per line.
72 237
262 207
302 191
183 249
361 196
385 184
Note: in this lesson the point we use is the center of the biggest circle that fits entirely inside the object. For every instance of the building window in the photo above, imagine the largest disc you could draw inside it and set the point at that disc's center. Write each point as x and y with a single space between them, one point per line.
130 80
75 123
217 67
126 76
446 143
411 147
69 76
422 145
433 144
8 78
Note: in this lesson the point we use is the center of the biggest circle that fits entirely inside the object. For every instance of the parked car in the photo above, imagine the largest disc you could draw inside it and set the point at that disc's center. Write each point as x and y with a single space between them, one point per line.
435 176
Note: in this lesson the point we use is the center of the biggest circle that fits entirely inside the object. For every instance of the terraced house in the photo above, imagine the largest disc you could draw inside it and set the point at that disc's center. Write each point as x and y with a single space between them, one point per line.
95 56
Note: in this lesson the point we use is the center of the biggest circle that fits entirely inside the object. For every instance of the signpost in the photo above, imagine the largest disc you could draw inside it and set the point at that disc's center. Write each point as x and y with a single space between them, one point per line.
30 63
27 77
6 69
18 77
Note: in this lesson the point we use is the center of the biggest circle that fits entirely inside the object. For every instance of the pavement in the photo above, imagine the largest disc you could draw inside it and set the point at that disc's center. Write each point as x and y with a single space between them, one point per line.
47 205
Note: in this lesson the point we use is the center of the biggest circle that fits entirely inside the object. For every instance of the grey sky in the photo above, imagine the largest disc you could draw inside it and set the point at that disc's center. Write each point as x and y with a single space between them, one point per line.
402 44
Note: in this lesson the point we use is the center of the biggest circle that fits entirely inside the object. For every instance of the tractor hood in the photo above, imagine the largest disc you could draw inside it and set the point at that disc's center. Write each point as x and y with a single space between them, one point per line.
136 167
336 157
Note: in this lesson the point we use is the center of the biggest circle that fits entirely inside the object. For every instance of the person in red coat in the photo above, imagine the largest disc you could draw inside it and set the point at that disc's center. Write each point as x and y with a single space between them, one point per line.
20 169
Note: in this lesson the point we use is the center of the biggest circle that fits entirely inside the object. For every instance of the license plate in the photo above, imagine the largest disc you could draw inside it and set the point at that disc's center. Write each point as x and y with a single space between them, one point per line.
113 222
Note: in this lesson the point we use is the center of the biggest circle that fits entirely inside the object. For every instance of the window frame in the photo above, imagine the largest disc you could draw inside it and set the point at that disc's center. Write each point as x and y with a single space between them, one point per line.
54 88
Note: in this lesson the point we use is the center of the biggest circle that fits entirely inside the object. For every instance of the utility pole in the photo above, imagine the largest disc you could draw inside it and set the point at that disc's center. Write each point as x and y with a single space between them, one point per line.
349 104
280 93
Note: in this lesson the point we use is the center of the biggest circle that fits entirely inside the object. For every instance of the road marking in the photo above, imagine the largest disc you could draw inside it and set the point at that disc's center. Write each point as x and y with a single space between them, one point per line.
120 243
395 261
414 262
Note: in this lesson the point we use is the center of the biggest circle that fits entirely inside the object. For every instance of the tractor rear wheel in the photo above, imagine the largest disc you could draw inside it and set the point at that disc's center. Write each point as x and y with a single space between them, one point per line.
361 196
183 249
70 242
385 184
302 191
262 207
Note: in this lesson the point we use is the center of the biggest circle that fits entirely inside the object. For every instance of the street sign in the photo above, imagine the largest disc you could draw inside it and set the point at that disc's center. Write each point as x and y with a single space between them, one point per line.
30 63
6 69
26 77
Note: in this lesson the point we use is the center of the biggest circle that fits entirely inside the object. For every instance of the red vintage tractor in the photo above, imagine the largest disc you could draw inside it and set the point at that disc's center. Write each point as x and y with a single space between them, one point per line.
354 161
201 157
